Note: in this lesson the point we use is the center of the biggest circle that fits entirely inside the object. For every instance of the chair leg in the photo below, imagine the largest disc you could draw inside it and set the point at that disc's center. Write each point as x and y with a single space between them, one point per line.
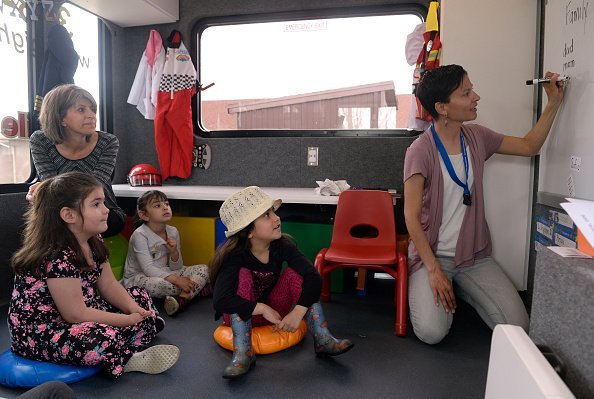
326 280
361 281
401 296
320 264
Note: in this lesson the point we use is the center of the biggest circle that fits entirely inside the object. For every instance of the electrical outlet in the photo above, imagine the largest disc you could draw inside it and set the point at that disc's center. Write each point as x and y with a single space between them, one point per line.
312 156
576 163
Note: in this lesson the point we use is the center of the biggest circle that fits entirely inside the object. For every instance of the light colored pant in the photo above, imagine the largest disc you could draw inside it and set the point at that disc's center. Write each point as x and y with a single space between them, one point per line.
159 287
483 285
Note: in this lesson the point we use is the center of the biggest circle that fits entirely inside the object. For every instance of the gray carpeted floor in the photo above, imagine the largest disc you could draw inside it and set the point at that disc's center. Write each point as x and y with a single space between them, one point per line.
380 365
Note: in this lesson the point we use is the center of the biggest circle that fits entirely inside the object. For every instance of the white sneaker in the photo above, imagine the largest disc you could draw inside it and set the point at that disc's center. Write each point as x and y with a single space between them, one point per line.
171 305
153 360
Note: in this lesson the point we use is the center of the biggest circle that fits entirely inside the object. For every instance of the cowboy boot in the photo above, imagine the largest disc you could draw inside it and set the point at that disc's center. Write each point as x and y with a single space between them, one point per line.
324 343
243 354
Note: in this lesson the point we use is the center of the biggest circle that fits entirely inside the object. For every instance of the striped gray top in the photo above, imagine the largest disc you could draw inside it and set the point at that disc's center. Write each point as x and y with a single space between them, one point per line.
100 163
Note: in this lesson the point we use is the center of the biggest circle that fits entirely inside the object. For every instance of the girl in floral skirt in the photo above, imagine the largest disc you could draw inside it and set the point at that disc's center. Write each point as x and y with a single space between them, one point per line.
56 313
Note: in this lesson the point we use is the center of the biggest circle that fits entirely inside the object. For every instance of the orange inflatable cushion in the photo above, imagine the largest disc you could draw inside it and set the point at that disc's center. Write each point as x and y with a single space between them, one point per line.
264 340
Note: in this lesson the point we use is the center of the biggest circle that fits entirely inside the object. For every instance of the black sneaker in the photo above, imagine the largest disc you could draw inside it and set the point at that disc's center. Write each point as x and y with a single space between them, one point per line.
159 324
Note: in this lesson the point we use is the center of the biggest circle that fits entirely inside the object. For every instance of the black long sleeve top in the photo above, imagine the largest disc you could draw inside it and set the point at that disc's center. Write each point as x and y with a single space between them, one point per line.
225 298
100 163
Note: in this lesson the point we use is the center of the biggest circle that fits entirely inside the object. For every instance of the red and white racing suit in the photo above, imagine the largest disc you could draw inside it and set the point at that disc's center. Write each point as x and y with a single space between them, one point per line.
174 135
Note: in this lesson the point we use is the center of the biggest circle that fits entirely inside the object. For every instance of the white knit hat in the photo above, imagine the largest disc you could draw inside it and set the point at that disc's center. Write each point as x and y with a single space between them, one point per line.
245 206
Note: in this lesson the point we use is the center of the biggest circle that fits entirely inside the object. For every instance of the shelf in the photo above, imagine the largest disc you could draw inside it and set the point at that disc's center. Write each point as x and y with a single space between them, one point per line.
221 193
132 12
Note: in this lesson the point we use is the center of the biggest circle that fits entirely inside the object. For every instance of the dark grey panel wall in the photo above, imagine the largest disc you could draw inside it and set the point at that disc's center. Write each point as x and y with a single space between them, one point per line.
363 162
562 316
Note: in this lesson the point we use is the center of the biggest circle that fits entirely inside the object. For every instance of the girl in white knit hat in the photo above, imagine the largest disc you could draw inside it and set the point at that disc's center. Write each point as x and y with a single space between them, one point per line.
250 287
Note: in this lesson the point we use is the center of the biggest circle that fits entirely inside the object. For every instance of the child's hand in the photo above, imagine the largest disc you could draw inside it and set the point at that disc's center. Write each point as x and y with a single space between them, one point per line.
268 313
185 284
141 311
291 321
171 245
135 318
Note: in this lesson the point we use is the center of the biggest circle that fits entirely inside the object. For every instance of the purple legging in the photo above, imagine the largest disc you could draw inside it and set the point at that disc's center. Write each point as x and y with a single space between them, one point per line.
284 295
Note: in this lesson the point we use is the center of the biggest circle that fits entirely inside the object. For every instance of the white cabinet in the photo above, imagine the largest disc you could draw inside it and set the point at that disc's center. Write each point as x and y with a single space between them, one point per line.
517 369
127 13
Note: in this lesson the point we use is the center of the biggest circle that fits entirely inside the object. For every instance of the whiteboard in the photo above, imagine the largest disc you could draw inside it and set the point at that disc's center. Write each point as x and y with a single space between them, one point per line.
567 158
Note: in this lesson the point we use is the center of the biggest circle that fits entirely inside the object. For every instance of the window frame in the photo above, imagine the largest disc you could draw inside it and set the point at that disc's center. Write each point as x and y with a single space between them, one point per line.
327 13
36 45
34 41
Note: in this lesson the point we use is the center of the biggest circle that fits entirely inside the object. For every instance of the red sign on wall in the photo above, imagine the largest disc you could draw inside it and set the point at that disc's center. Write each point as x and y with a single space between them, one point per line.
13 128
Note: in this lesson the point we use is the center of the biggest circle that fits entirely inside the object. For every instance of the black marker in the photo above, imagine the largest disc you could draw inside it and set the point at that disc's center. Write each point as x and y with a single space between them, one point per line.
546 80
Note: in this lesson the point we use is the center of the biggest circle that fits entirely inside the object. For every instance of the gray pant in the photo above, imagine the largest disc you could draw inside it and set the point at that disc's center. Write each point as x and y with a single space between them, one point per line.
483 285
159 287
49 390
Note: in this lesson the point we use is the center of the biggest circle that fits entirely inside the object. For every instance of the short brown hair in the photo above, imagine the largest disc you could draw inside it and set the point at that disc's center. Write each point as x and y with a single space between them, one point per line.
55 106
437 85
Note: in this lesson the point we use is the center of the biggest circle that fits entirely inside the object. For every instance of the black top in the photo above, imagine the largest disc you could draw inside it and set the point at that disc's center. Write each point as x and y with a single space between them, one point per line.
225 298
99 163
60 60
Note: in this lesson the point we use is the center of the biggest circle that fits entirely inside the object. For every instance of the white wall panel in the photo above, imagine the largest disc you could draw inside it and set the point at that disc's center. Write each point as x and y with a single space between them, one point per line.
495 41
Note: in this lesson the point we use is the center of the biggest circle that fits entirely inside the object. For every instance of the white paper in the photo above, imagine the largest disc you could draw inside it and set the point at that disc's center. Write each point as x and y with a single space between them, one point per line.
582 214
331 187
567 252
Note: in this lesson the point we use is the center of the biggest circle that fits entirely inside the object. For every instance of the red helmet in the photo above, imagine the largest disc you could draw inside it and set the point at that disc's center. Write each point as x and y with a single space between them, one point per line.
144 175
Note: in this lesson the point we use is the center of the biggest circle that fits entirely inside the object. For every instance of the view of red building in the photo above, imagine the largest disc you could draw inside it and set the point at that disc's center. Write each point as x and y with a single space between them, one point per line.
371 106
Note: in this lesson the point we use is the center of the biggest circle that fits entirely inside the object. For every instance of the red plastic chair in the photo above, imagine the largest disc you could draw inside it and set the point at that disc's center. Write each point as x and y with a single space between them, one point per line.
364 237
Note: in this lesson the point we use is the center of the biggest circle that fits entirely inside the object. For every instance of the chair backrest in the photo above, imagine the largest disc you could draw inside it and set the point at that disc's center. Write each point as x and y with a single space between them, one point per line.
364 217
12 221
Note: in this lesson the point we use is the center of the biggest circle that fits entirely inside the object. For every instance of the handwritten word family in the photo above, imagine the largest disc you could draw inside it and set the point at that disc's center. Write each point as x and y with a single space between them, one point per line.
576 12
576 15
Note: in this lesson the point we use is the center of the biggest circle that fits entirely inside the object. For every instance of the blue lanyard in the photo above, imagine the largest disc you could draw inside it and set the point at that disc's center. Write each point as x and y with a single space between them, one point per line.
467 199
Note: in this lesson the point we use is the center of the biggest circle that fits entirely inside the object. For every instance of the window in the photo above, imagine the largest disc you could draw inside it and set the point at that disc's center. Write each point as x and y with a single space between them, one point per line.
14 98
331 74
84 30
15 20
